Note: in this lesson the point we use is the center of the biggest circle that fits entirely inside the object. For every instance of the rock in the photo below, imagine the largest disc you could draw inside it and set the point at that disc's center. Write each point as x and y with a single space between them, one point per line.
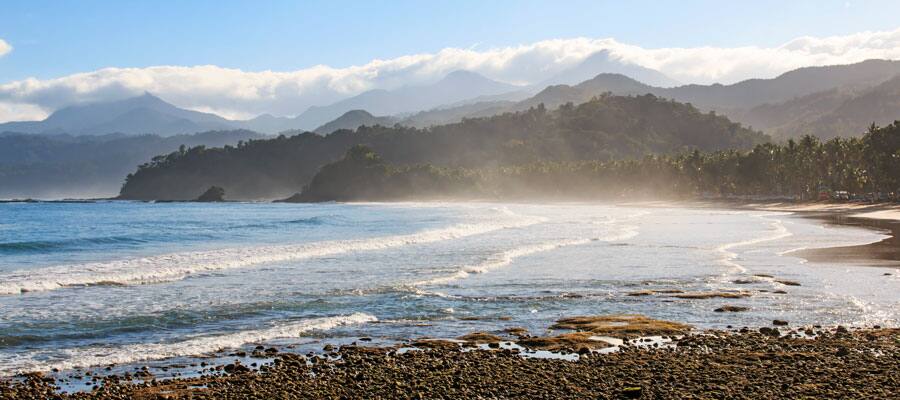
769 331
841 329
213 194
787 282
842 352
236 368
731 309
779 322
633 392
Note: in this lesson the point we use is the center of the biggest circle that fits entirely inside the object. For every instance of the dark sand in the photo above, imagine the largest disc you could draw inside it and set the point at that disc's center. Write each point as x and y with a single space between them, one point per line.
882 253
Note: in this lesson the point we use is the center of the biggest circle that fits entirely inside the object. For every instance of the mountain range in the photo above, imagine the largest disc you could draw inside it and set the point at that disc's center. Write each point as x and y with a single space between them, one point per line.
825 101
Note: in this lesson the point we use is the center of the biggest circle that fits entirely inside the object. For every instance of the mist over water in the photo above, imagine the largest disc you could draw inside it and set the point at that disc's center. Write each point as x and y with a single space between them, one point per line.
119 282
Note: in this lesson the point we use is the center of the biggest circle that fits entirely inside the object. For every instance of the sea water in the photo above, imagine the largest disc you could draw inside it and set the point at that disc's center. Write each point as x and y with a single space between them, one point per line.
92 284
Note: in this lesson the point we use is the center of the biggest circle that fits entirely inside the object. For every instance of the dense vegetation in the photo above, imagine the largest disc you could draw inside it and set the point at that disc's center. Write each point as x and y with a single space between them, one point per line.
797 169
605 128
52 166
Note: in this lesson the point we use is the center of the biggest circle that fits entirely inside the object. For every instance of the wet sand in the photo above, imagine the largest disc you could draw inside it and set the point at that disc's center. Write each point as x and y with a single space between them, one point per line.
883 253
880 217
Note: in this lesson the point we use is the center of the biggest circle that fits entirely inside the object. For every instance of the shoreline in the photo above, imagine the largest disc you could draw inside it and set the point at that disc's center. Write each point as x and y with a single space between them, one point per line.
882 253
737 363
884 218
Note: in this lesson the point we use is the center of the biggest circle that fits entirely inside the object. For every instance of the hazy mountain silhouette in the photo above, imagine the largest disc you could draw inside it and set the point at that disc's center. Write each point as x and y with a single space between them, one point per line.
354 119
832 113
59 166
456 86
602 63
136 115
743 102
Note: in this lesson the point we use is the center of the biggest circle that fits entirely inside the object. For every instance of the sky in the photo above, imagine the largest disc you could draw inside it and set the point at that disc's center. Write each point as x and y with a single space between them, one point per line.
243 58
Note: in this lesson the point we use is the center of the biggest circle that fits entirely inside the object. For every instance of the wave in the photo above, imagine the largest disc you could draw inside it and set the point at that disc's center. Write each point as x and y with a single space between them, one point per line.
51 245
779 231
507 257
177 266
309 221
106 355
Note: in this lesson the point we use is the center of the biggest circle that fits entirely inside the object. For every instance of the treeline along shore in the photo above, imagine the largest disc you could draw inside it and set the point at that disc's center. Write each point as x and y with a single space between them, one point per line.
806 169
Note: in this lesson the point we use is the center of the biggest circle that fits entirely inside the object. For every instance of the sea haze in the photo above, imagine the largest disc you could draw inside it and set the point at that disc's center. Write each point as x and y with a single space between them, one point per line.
122 282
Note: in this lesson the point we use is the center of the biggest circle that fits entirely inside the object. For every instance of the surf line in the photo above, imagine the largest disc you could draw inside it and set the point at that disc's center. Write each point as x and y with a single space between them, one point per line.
177 266
506 258
779 231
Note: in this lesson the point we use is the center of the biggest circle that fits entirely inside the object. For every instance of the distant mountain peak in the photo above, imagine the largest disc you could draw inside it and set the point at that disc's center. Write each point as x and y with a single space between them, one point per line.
604 62
357 113
145 113
352 120
462 75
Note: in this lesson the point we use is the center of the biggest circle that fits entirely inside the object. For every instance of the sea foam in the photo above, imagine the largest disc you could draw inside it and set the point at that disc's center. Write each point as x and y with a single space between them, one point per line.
197 345
177 266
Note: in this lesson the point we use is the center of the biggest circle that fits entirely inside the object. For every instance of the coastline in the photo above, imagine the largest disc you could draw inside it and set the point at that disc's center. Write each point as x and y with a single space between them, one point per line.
742 357
804 362
884 218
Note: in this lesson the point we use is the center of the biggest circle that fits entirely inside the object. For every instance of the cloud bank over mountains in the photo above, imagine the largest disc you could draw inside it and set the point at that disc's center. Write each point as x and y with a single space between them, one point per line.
235 93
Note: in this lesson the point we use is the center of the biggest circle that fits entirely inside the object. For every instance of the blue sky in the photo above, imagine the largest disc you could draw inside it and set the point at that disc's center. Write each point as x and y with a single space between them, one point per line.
56 38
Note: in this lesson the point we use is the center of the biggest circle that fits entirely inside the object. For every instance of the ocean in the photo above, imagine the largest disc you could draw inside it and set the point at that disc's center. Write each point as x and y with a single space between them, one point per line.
93 284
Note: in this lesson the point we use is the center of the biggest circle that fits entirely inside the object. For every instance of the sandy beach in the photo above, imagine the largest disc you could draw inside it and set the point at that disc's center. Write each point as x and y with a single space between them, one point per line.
855 210
880 217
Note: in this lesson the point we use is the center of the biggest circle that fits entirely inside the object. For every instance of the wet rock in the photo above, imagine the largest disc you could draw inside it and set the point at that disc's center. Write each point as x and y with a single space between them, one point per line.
769 331
779 322
236 368
731 309
712 295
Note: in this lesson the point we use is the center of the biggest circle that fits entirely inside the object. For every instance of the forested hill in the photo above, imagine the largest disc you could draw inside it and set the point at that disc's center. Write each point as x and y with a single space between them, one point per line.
607 127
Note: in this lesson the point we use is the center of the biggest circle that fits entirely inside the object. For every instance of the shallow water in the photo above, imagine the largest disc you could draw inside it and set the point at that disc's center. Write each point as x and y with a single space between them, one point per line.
120 282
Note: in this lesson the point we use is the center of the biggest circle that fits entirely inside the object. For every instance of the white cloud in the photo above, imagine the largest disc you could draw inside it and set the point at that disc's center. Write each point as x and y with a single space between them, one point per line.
4 48
21 112
238 93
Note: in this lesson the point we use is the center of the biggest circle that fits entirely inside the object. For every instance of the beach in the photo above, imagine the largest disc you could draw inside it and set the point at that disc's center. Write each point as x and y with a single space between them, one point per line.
879 217
729 297
771 364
